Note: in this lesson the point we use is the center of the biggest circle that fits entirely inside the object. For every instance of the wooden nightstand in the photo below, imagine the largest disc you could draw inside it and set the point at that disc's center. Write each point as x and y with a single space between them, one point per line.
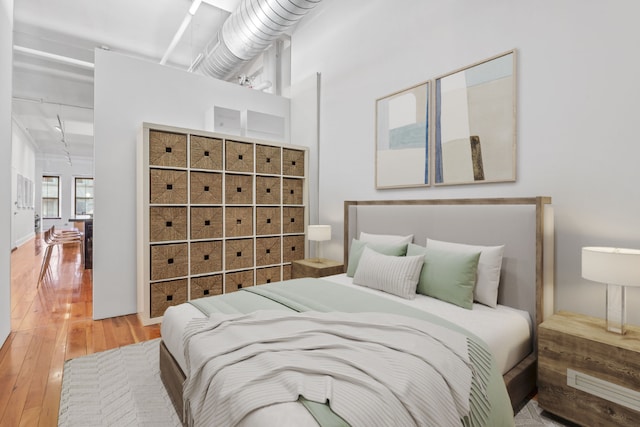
578 349
315 268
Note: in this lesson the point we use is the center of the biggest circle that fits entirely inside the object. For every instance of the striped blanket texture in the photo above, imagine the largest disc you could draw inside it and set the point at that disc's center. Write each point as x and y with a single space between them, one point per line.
386 366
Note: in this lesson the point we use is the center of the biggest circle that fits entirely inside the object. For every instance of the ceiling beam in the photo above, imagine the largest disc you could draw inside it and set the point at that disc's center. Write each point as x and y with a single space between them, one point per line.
226 5
54 57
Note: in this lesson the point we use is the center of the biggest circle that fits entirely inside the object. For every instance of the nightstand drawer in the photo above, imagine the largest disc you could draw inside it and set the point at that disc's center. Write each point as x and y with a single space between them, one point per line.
604 369
315 268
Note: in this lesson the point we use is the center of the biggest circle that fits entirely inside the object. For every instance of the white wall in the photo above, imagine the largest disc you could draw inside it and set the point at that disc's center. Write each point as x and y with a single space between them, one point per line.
6 41
578 92
127 93
23 160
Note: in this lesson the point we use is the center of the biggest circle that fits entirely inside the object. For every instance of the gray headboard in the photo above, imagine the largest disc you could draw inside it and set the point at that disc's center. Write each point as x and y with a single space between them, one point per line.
523 225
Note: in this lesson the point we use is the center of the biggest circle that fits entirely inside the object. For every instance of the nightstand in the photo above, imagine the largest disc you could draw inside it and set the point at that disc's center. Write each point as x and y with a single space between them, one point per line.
586 374
315 268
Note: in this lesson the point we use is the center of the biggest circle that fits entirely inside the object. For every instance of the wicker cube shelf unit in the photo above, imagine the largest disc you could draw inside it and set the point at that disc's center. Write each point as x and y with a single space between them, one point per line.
215 214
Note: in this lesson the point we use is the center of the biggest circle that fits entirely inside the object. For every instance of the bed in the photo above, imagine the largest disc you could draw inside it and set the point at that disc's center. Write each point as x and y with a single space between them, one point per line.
523 227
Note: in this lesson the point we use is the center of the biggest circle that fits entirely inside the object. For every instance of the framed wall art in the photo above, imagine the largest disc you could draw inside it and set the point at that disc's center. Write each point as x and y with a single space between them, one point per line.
20 191
475 123
402 138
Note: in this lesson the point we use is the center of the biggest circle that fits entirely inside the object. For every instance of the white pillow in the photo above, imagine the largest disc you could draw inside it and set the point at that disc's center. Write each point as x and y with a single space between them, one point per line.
489 265
387 239
391 274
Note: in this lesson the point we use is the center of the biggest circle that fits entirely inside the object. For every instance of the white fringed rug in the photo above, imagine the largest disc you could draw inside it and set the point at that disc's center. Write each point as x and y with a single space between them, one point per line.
122 387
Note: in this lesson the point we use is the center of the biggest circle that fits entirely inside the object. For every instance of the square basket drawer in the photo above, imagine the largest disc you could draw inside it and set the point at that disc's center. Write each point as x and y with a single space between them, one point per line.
268 159
206 222
166 294
267 190
238 189
268 250
167 223
167 149
206 257
239 156
167 187
169 260
206 188
292 162
292 191
267 220
292 248
206 153
238 221
237 280
238 254
268 275
206 286
292 219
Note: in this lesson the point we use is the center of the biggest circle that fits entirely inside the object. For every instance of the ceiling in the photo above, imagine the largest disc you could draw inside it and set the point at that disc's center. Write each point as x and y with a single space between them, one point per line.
54 43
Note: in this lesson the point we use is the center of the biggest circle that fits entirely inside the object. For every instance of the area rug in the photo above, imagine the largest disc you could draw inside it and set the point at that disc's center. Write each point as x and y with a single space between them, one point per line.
122 387
119 387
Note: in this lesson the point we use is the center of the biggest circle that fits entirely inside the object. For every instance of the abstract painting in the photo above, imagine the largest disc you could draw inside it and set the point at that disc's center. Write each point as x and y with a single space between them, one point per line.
402 144
475 123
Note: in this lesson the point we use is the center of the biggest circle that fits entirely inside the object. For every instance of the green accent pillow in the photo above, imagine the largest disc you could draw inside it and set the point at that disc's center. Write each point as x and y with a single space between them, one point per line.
357 246
447 275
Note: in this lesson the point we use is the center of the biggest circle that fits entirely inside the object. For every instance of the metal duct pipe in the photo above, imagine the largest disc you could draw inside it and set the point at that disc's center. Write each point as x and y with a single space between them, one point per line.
250 30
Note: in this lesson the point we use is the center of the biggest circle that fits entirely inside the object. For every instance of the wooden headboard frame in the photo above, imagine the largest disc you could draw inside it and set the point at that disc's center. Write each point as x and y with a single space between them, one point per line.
541 232
524 225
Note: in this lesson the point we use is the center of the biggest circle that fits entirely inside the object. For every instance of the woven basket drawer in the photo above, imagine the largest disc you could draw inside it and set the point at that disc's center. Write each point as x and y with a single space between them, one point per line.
238 189
267 220
206 153
237 280
267 275
268 250
267 190
292 191
167 223
238 221
167 149
286 272
292 219
206 188
268 159
292 248
239 156
166 294
238 254
206 257
167 186
206 286
292 162
169 261
206 222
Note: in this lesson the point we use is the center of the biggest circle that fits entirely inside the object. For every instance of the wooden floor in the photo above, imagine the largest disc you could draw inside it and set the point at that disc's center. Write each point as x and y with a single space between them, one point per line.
50 324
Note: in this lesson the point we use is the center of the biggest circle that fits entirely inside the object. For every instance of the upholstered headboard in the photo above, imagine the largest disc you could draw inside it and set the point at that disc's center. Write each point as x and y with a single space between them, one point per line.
523 225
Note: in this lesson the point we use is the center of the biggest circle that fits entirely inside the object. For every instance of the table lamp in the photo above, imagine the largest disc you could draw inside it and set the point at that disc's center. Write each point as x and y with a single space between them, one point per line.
318 233
617 268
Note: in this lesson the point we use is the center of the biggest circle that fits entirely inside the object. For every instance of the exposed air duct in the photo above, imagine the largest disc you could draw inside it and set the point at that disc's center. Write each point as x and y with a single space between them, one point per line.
249 31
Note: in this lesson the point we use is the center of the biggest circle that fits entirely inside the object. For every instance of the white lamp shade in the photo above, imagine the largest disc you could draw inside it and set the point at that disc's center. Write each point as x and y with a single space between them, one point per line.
612 266
319 233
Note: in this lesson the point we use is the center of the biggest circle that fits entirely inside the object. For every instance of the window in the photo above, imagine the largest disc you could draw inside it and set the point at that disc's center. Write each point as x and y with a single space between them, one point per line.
51 197
84 196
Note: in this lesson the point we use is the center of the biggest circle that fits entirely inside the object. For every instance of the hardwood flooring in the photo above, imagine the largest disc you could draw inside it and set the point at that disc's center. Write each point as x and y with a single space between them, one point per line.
50 324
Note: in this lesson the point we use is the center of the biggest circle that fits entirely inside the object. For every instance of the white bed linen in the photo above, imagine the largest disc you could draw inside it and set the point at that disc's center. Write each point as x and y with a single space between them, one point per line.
507 331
